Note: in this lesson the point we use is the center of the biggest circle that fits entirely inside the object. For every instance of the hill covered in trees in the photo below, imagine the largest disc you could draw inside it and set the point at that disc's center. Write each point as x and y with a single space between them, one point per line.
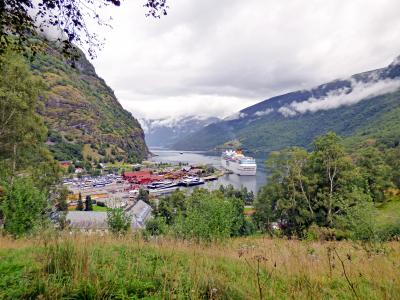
362 106
83 116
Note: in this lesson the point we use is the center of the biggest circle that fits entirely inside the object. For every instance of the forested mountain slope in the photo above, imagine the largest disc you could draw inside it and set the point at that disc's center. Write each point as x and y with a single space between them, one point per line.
364 105
84 117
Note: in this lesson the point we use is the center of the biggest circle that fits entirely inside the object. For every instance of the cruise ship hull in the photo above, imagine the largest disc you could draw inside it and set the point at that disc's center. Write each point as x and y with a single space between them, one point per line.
239 169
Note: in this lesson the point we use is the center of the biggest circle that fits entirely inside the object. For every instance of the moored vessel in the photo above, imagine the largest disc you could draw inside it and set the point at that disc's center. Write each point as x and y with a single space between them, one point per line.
236 162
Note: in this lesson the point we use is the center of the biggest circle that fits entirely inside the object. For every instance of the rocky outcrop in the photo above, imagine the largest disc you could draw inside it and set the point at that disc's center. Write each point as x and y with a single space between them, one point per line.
82 112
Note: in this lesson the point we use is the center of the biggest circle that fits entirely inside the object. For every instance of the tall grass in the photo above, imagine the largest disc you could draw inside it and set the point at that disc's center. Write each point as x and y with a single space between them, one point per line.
106 267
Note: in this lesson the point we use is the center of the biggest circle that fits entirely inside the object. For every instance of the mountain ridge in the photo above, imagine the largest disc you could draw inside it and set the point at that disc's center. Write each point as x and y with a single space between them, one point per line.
295 118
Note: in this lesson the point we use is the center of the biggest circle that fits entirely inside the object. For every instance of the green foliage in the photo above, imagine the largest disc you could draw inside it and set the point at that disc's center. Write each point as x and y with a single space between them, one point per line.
118 221
375 171
61 199
71 169
321 188
23 207
171 206
203 215
243 193
390 232
88 203
80 203
360 221
27 168
156 226
22 131
392 157
143 195
207 217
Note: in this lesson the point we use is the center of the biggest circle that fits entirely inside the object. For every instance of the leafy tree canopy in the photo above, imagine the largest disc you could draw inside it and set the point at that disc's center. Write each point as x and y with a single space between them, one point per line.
21 19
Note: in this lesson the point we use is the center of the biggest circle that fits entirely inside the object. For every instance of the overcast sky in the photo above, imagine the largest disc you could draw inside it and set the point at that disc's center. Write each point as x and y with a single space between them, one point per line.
211 57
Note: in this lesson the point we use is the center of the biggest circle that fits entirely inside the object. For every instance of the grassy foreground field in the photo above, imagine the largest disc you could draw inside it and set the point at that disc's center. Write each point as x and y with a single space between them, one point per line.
104 267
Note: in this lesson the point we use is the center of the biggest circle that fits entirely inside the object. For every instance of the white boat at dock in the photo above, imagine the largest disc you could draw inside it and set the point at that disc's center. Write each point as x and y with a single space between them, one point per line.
236 162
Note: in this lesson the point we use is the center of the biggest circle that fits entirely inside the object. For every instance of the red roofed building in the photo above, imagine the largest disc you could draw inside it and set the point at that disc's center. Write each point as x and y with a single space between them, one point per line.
141 177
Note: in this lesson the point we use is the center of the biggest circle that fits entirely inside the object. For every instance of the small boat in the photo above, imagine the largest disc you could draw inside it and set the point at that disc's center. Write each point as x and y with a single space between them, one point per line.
181 153
191 181
210 178
162 191
160 184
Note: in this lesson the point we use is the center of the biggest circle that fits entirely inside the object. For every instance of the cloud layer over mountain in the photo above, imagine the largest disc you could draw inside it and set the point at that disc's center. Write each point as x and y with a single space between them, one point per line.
348 96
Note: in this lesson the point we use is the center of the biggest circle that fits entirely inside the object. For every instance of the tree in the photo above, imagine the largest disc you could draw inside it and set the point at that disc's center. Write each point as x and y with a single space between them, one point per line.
80 203
304 188
207 218
71 169
375 172
288 196
61 200
18 22
118 221
143 195
22 131
171 206
392 157
336 177
88 203
23 207
156 226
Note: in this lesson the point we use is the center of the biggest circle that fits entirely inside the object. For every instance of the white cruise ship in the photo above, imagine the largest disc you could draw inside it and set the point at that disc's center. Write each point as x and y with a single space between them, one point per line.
239 164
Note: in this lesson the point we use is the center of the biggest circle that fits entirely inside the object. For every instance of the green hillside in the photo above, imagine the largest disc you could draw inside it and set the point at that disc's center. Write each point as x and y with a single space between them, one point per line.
364 106
376 118
84 117
373 118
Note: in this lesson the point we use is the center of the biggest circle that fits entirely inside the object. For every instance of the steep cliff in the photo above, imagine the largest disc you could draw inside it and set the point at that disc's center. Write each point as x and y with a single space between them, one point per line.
84 117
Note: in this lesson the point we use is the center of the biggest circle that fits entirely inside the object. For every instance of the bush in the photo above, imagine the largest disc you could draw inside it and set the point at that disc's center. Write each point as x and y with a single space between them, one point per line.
156 226
101 203
316 233
118 221
23 207
390 232
207 218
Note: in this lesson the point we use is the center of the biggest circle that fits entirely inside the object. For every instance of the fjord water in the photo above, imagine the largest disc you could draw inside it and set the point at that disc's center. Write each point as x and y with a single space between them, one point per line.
252 183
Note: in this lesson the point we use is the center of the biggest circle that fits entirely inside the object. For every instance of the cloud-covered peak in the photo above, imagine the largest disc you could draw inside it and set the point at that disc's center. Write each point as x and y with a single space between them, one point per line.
358 91
396 61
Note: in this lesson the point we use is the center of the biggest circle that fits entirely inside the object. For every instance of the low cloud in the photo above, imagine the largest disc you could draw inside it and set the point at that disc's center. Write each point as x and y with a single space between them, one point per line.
264 112
235 116
345 97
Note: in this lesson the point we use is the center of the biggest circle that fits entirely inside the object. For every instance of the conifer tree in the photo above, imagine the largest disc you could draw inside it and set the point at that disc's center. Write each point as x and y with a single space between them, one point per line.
80 203
88 203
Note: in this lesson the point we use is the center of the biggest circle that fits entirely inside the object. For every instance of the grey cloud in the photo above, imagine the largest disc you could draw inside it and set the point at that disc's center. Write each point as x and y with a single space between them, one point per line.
245 51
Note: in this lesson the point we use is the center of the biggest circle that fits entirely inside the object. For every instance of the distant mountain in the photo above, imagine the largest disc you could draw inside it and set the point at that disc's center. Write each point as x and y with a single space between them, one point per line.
84 118
365 105
165 132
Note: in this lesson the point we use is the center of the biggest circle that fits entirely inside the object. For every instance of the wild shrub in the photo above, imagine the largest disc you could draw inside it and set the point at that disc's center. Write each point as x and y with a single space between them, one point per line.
118 221
23 207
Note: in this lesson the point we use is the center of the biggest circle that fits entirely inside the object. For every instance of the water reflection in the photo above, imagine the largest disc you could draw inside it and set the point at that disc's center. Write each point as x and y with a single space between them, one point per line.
252 183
